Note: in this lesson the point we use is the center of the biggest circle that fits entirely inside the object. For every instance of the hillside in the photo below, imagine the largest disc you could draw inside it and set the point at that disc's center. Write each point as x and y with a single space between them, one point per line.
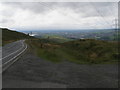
10 35
85 51
93 51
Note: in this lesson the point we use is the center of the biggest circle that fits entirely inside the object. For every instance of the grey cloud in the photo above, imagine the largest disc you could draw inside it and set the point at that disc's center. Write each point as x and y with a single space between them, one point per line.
36 7
6 21
89 9
86 9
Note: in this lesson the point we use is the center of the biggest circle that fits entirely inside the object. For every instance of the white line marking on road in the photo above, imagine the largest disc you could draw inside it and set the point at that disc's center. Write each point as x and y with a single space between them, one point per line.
13 52
15 56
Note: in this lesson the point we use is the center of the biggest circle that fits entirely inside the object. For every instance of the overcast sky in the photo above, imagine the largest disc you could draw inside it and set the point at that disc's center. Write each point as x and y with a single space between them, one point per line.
57 15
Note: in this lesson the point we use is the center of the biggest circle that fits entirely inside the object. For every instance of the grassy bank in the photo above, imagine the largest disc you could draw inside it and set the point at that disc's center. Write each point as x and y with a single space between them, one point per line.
9 36
79 51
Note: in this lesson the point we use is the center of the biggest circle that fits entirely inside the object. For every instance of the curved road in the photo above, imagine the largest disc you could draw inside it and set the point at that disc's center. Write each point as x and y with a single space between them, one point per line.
10 53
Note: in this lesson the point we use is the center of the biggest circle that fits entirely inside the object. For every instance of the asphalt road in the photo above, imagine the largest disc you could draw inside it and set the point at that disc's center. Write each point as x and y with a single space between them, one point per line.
11 51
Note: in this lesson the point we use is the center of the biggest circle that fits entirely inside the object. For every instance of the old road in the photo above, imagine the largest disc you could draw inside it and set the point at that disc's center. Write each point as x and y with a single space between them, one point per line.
11 52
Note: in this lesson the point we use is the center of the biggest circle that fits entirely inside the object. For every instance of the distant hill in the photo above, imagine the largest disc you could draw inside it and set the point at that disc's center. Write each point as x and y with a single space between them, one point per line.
10 35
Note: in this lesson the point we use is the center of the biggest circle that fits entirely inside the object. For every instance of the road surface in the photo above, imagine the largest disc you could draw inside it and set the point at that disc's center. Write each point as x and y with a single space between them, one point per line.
11 51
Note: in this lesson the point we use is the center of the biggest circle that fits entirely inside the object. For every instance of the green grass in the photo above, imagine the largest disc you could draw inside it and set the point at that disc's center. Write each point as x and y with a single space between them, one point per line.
51 55
57 38
78 51
93 51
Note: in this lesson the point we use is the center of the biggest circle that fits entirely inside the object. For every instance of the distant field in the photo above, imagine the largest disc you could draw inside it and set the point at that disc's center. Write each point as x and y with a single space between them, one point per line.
56 38
103 34
86 51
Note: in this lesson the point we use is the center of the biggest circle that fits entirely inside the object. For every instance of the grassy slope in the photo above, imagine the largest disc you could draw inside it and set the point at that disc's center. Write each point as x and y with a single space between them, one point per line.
10 36
92 51
79 51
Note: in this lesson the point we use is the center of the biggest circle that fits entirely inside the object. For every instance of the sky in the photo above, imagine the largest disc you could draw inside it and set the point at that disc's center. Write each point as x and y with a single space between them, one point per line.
58 15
